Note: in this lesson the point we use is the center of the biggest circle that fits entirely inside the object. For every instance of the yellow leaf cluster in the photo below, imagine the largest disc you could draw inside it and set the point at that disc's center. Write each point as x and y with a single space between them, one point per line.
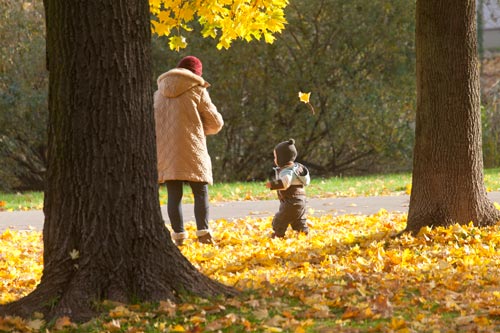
354 264
226 20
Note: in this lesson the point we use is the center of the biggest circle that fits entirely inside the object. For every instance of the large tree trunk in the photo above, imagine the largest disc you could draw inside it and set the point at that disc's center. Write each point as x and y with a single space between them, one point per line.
104 237
448 182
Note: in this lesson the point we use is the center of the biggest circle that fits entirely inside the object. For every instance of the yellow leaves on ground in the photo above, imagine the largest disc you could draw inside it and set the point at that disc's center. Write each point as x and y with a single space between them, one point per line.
226 19
20 263
10 207
349 272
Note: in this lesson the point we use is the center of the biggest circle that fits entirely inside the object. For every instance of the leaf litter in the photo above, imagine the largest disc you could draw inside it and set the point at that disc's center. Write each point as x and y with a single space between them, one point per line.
350 274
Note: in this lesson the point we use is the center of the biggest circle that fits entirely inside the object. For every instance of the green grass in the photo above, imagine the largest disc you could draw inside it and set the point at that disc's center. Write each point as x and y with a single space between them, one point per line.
387 184
21 201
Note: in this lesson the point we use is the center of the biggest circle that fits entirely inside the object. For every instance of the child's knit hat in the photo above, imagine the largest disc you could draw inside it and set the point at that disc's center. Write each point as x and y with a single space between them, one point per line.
192 63
285 152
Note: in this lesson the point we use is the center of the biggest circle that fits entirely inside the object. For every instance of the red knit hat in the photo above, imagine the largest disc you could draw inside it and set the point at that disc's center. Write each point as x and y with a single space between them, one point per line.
192 63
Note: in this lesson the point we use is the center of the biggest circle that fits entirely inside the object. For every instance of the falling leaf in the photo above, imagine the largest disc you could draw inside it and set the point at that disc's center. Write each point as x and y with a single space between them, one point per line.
304 98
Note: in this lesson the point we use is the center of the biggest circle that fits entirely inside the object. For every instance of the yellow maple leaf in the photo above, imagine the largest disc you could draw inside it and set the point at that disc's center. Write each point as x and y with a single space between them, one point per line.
177 42
160 29
304 97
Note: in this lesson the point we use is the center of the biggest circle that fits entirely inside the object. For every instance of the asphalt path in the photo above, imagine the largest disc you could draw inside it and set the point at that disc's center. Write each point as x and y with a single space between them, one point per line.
33 219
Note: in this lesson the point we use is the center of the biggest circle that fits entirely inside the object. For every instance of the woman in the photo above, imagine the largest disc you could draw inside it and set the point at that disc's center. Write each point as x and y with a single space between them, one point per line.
185 115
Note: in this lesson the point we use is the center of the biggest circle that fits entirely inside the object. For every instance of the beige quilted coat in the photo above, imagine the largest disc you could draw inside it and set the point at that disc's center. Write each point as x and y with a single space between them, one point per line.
184 115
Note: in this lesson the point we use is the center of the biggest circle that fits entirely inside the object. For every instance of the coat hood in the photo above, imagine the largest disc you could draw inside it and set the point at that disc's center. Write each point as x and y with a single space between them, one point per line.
177 81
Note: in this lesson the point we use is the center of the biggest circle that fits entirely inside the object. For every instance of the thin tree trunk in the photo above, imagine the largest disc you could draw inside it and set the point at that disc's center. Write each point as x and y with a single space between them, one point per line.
104 237
448 184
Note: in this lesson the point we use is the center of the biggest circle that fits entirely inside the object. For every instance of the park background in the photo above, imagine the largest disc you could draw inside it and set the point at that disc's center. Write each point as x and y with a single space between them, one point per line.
357 278
357 59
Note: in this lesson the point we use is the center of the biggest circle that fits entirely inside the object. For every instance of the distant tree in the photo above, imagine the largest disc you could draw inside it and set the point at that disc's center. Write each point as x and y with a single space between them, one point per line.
23 96
448 185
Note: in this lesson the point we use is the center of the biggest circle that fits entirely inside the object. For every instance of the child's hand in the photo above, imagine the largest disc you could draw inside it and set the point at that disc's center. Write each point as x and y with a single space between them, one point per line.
268 184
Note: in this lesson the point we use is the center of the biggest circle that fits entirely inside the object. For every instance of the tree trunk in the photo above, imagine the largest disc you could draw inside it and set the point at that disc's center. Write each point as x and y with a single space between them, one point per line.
448 184
104 237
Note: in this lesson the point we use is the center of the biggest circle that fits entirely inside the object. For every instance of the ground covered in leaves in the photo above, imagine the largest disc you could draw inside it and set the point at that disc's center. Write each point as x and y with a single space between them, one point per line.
348 275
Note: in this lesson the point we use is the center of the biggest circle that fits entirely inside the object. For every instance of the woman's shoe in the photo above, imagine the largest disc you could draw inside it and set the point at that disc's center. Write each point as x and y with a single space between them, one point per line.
179 237
206 239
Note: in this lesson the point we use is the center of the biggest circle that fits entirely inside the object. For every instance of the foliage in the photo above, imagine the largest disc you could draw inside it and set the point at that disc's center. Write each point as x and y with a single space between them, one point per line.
255 88
490 115
23 95
357 59
348 275
222 19
362 79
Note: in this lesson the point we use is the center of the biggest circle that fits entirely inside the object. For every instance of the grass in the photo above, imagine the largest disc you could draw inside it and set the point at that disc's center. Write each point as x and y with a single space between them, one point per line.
372 185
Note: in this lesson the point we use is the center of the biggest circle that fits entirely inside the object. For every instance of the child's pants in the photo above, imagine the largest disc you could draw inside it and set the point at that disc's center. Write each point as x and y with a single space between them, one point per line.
292 212
174 205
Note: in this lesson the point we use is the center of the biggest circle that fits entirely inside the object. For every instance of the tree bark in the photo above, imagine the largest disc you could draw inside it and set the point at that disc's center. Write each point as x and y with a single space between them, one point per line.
104 237
448 185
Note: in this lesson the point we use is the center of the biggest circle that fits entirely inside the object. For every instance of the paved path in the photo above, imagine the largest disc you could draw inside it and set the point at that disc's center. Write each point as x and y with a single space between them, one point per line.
23 220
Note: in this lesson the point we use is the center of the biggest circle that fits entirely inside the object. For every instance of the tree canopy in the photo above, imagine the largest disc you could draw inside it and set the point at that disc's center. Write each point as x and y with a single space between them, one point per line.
225 20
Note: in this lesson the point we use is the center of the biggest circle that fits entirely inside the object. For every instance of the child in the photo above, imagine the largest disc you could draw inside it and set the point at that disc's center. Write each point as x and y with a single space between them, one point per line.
290 179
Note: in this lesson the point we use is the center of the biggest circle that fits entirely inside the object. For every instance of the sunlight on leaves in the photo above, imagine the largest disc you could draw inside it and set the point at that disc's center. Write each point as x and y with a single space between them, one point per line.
226 20
349 270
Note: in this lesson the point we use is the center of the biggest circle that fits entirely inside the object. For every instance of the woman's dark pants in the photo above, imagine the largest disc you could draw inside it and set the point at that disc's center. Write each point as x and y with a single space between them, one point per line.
174 205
